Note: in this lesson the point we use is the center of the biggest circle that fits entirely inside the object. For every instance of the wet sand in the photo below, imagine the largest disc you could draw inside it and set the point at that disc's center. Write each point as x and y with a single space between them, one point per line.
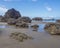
41 39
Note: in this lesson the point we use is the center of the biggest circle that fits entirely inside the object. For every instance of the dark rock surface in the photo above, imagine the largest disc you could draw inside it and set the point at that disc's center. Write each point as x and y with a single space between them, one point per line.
37 19
24 19
58 21
2 18
52 28
22 25
35 27
11 21
20 36
12 13
23 22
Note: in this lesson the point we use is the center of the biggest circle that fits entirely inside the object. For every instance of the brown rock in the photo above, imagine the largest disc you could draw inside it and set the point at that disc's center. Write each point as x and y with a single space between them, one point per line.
53 28
24 19
11 21
58 21
12 13
35 27
37 19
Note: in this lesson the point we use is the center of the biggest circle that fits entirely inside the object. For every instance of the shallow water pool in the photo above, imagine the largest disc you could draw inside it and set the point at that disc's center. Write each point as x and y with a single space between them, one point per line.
41 28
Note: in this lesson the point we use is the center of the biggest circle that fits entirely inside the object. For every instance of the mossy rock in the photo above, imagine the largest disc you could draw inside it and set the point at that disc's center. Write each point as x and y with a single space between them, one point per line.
35 26
53 28
20 36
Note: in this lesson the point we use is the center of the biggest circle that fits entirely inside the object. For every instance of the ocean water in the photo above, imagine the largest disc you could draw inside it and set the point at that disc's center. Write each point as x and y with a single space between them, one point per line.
49 20
41 28
2 26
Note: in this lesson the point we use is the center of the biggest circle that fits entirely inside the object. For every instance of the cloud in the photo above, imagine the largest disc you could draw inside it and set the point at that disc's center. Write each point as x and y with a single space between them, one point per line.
48 8
3 10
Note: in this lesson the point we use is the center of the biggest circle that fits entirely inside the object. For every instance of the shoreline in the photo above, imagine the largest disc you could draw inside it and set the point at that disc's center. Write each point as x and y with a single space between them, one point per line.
41 39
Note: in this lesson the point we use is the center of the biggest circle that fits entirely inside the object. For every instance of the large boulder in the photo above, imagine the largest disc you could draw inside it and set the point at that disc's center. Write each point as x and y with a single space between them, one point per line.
2 19
12 13
11 21
37 19
20 36
24 19
35 27
23 22
58 21
22 25
52 28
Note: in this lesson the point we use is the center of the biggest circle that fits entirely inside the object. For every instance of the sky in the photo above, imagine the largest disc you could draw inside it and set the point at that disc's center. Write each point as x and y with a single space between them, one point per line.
32 8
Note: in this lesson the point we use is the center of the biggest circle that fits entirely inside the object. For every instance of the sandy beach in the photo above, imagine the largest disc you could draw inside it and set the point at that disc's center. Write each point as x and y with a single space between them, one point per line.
41 39
29 23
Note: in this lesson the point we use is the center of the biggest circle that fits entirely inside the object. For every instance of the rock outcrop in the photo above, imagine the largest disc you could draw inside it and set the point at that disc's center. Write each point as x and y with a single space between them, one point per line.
2 18
58 21
22 25
23 22
20 36
35 27
37 19
11 21
52 28
12 13
24 19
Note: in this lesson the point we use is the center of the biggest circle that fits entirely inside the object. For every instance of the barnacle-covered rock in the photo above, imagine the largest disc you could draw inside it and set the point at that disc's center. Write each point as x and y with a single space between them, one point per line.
20 36
52 28
35 27
37 19
11 21
12 13
58 21
22 25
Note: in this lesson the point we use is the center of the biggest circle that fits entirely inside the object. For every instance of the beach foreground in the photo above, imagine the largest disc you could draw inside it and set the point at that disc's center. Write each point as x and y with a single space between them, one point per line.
41 39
